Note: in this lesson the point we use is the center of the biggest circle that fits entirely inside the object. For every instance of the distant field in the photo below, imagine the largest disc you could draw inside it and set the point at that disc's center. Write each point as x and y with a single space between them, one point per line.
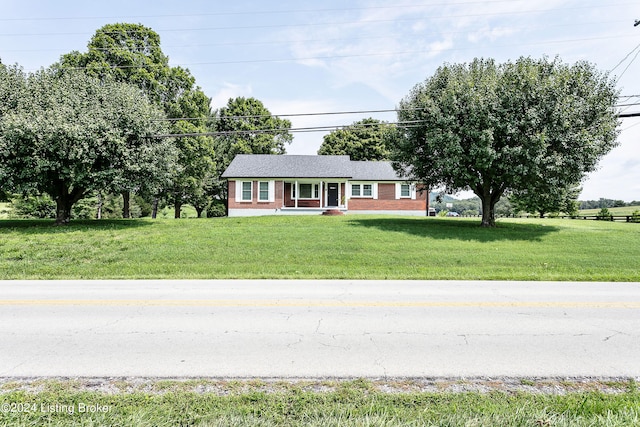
626 210
301 247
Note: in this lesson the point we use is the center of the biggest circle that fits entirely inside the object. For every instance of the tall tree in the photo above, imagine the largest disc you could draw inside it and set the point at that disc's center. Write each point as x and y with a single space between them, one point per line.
12 90
246 126
131 53
529 125
362 140
72 134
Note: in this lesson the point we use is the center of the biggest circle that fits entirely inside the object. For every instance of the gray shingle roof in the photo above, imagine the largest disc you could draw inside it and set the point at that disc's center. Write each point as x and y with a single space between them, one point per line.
296 166
373 171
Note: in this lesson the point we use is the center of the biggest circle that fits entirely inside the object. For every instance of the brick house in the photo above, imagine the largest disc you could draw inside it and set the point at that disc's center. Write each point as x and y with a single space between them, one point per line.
263 184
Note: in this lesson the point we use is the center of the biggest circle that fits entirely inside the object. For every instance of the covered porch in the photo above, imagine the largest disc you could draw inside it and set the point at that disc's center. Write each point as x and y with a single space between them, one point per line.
314 194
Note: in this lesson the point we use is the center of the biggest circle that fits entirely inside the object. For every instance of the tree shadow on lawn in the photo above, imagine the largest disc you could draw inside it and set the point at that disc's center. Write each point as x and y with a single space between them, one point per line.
458 229
47 226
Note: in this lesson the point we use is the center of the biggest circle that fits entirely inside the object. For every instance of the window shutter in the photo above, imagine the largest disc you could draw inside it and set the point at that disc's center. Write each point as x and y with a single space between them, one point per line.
272 191
413 191
374 190
238 191
398 190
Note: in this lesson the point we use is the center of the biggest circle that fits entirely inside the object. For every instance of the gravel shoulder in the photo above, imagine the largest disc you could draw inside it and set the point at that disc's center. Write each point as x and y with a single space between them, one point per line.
235 386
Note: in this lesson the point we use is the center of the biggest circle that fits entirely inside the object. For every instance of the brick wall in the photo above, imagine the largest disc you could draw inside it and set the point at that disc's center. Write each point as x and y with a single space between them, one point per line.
254 203
387 201
386 191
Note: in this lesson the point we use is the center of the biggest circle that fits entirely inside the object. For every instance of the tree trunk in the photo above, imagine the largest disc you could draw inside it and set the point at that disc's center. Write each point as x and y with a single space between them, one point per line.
64 202
177 206
63 210
99 211
154 210
126 211
488 212
199 210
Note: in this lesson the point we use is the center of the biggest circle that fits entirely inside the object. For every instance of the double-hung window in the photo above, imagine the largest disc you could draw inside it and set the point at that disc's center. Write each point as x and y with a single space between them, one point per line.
247 189
263 191
307 191
405 190
361 190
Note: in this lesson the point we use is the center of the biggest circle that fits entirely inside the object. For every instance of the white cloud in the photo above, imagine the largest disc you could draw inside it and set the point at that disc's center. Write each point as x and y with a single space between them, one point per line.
306 142
618 176
229 90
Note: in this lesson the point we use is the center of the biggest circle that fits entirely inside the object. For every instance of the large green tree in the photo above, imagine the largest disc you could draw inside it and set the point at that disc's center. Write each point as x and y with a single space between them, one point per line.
12 89
533 125
362 140
132 53
246 126
71 134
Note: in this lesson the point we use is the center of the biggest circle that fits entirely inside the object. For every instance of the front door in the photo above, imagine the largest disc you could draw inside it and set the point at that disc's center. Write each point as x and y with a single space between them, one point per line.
332 194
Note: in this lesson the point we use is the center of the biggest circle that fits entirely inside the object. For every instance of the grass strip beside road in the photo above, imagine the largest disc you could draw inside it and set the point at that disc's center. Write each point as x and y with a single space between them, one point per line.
302 247
323 403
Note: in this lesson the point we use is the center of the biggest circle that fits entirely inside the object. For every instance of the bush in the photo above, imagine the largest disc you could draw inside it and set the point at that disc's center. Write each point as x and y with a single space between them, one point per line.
33 207
635 216
216 208
605 215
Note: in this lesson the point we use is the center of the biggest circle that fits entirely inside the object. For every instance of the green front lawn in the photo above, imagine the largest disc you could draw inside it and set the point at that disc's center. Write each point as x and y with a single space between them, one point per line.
316 247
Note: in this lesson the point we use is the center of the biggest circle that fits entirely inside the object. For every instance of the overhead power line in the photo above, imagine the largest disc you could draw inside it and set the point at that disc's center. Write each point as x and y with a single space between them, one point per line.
405 124
439 16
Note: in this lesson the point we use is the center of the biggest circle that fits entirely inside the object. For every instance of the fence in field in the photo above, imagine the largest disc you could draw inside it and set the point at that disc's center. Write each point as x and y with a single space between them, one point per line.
623 218
618 218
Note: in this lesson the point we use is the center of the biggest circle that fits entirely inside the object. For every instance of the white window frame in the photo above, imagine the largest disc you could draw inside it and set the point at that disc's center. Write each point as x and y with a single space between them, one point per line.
315 191
412 191
260 191
240 191
361 190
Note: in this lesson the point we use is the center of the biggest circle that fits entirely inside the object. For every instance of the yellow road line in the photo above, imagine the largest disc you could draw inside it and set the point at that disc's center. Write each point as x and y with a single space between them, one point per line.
318 303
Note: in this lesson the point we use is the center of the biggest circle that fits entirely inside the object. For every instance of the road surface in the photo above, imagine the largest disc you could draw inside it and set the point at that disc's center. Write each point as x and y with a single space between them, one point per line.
296 329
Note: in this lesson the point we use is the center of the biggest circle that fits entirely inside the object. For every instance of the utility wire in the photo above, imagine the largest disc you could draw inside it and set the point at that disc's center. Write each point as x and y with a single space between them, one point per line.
333 24
405 124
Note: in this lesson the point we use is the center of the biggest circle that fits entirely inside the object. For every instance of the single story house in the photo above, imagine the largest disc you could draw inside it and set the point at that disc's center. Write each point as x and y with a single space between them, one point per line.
263 184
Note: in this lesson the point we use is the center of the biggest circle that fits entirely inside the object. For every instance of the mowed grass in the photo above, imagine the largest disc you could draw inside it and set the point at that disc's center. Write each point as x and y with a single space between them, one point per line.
353 403
316 247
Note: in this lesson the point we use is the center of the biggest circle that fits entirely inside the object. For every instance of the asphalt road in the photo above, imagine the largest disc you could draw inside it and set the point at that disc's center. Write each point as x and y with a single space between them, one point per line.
318 329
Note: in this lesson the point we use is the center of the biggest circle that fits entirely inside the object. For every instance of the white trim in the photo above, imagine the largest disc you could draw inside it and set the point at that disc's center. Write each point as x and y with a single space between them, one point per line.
387 212
360 184
239 212
412 191
239 192
269 191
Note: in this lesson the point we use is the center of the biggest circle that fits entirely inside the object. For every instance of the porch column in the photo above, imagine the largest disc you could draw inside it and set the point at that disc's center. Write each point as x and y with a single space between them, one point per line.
297 195
346 199
321 194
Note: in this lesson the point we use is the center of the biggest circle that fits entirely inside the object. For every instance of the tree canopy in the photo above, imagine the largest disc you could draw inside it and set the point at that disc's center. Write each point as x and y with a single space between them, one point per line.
71 134
246 126
131 53
362 140
529 126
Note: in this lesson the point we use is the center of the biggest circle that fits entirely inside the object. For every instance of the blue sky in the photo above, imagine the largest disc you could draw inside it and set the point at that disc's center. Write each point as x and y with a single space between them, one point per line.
349 55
